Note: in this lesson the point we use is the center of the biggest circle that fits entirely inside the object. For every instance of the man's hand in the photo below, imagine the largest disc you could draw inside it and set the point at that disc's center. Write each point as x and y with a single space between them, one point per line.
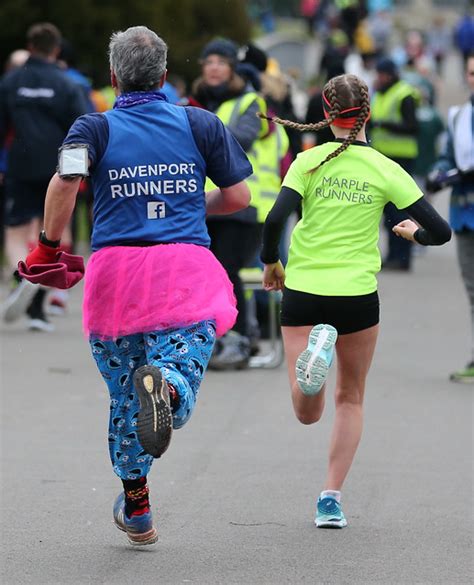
406 229
273 276
42 254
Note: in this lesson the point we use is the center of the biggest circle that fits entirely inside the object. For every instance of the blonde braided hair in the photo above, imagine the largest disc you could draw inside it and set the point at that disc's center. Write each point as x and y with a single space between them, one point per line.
342 92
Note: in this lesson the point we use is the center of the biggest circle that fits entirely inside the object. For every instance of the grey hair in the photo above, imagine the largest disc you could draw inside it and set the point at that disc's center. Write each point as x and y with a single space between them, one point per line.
137 56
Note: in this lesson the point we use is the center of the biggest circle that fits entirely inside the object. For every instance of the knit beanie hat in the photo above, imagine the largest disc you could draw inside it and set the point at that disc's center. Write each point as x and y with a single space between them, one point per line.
223 47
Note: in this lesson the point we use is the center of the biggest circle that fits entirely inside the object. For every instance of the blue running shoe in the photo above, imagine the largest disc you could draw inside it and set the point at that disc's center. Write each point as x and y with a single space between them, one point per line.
329 514
313 363
139 529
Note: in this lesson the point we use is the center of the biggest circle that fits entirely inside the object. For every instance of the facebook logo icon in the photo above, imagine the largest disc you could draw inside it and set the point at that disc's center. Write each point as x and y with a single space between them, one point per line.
156 209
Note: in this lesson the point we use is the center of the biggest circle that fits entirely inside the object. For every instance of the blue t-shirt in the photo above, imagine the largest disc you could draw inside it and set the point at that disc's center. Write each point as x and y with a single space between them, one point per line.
137 156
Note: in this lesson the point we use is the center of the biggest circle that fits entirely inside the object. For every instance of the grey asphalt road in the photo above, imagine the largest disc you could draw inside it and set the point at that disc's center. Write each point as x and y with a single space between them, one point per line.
234 496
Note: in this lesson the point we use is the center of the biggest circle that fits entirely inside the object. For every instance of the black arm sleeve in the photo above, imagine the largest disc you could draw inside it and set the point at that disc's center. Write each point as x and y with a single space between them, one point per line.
409 123
287 202
434 229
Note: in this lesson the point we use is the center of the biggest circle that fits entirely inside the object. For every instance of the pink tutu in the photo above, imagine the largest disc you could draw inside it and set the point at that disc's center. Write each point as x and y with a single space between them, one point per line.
132 289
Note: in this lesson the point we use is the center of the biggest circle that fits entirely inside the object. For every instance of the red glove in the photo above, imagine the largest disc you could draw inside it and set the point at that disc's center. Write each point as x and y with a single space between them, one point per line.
42 254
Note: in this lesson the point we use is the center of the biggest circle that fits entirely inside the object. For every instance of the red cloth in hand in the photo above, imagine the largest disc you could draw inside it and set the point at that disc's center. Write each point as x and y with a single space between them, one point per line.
52 267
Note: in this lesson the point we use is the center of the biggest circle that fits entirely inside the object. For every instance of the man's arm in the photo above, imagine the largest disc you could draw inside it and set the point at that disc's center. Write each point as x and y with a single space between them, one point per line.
228 199
89 131
59 205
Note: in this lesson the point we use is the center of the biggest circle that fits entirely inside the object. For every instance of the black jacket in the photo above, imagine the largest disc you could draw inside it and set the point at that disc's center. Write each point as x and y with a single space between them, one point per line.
38 104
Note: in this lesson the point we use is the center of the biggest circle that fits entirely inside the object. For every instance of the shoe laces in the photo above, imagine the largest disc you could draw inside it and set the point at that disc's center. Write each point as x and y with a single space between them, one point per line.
329 506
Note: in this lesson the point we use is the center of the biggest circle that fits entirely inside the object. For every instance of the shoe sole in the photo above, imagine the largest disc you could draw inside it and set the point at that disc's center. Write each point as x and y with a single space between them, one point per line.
311 368
15 306
142 539
155 420
331 523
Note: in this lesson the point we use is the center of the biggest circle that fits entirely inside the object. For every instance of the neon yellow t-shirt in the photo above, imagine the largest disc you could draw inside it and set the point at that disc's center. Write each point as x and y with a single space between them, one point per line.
334 249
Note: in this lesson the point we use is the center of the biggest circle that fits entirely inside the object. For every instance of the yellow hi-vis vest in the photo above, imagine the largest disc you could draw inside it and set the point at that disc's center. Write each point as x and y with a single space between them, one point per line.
229 112
266 155
386 107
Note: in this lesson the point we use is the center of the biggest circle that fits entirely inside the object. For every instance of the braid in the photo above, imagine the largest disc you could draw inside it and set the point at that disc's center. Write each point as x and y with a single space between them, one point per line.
331 94
361 118
287 123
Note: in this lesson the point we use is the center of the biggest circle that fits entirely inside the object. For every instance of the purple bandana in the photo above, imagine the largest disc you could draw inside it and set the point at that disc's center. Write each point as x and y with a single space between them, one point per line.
136 98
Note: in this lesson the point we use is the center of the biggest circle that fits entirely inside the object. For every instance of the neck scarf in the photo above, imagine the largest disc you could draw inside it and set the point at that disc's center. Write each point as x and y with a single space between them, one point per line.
136 98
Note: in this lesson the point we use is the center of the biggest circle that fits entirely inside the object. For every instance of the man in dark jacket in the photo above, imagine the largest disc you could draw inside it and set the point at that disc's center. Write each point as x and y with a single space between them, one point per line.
38 104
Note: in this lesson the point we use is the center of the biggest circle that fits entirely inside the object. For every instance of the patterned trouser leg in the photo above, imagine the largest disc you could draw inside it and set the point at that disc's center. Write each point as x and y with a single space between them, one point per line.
117 361
182 355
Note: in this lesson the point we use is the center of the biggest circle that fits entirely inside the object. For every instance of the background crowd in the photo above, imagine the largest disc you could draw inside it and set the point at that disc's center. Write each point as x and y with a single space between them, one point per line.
49 81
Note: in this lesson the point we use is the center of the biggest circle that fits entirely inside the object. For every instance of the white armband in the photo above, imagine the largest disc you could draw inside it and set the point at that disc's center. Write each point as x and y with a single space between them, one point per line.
73 161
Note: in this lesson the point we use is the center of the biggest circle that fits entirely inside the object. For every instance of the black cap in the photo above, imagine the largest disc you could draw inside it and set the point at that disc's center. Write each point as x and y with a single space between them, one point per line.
386 65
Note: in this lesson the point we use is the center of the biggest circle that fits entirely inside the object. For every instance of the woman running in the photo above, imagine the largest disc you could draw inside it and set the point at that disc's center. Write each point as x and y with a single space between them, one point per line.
330 298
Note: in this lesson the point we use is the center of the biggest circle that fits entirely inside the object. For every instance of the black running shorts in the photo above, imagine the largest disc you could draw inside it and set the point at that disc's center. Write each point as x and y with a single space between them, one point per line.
346 314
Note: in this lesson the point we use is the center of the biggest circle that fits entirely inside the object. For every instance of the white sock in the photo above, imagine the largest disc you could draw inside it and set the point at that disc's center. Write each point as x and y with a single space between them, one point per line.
331 494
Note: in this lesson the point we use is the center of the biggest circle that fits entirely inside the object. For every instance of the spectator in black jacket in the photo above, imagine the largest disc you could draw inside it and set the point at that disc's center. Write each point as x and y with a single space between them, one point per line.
38 104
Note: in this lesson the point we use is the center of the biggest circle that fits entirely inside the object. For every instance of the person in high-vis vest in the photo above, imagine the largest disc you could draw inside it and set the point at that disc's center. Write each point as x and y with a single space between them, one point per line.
221 90
330 303
455 167
266 156
393 132
155 296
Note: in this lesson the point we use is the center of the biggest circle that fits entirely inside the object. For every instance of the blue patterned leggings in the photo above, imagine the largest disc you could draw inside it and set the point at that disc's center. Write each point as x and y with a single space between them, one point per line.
181 354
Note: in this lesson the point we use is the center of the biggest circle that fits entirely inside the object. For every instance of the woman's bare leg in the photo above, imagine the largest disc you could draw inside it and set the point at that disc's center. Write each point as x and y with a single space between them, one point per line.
308 409
354 356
